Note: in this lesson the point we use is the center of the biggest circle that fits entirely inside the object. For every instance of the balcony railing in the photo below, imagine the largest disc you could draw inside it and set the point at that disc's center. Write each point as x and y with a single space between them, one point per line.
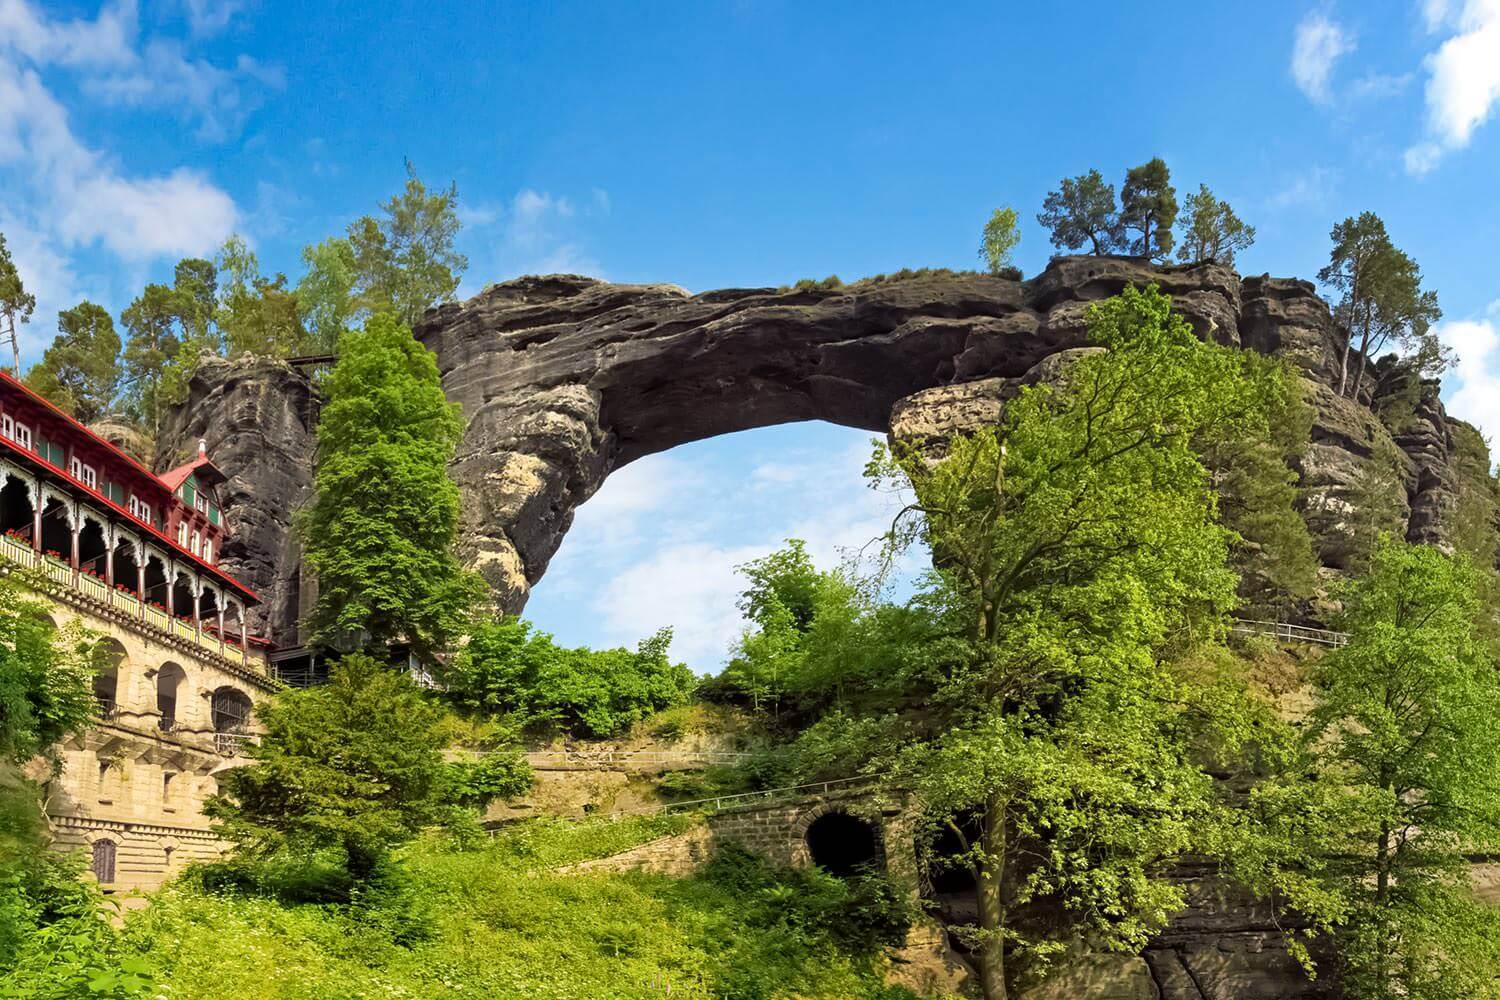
232 744
60 574
107 709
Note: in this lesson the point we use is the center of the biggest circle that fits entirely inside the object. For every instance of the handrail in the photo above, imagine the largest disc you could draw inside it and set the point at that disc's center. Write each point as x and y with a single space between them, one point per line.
824 786
598 757
1287 632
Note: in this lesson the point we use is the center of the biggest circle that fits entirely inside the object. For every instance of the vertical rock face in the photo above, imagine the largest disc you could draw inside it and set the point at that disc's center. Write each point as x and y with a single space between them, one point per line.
256 417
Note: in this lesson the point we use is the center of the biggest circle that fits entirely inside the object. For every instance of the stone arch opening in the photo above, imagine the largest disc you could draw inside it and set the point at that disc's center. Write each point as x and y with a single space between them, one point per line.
843 845
102 861
231 710
17 515
171 683
109 689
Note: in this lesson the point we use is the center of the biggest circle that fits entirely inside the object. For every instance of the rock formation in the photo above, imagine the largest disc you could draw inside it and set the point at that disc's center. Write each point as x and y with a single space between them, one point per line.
256 417
563 379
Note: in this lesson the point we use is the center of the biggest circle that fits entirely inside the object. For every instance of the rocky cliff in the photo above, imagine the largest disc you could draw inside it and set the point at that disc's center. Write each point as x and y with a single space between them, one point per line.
256 417
563 379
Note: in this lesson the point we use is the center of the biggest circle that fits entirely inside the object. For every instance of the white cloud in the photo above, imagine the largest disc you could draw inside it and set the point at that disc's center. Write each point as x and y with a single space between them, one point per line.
65 195
1318 45
536 232
1311 187
194 90
1463 84
1474 384
659 544
209 17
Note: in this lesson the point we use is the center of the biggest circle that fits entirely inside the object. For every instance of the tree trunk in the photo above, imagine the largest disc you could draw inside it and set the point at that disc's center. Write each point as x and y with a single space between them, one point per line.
991 956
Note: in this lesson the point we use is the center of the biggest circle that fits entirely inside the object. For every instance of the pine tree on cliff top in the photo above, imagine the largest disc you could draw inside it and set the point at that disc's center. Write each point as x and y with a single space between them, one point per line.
379 533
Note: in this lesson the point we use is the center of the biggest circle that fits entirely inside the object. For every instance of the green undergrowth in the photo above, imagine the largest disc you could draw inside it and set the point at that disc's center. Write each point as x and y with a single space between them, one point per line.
499 921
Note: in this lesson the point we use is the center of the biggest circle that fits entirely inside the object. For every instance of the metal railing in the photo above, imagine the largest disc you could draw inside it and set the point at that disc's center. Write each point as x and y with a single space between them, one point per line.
718 802
624 758
1286 632
233 744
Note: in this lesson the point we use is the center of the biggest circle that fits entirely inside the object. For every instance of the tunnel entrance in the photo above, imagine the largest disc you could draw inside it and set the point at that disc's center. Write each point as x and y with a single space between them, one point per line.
843 845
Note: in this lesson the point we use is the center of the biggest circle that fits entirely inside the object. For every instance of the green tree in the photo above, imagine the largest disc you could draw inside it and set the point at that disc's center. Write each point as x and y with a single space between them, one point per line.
354 766
1082 212
1407 727
46 676
506 668
405 262
256 314
169 329
325 294
1211 230
15 302
1148 205
1255 482
1002 234
80 372
1381 301
379 532
1076 544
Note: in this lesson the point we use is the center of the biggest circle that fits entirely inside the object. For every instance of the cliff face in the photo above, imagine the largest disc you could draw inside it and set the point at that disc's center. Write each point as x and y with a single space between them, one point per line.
256 417
564 379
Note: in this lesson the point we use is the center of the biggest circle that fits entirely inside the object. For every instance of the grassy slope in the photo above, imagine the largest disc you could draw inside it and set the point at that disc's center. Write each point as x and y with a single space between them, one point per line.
503 925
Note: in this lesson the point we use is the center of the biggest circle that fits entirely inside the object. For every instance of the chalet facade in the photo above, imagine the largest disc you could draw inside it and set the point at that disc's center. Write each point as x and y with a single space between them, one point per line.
135 556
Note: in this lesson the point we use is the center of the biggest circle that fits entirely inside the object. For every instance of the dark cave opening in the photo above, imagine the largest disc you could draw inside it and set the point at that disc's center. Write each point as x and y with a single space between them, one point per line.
843 845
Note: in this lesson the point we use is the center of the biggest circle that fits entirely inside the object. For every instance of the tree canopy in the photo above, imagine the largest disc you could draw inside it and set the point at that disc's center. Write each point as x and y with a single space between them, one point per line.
379 533
1148 205
1211 230
16 303
1381 300
506 668
1001 237
80 371
1082 212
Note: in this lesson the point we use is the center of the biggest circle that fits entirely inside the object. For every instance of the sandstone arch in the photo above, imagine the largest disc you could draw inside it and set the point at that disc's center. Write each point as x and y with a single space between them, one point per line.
564 379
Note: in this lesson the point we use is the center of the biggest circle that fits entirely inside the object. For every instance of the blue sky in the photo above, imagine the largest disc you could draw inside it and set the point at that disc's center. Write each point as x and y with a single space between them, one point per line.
736 144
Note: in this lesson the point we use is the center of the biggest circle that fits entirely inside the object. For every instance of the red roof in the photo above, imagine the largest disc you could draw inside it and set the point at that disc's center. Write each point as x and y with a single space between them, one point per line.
174 478
7 379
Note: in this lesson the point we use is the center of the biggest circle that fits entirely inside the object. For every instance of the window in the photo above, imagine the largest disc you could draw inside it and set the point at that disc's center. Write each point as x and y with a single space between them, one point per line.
197 544
8 426
17 432
103 864
166 789
140 509
208 551
84 473
201 502
182 530
51 451
115 492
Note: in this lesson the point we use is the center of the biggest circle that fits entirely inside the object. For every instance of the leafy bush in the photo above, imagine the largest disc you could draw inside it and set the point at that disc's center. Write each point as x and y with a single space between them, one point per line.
499 775
507 668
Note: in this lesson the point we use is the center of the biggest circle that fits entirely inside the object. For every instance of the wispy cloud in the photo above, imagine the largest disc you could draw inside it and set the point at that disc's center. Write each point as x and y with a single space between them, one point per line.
1310 187
68 195
1474 383
1317 46
1463 78
535 232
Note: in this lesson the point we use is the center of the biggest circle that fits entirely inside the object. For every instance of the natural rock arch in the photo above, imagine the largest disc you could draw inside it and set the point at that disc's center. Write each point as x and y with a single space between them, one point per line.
564 379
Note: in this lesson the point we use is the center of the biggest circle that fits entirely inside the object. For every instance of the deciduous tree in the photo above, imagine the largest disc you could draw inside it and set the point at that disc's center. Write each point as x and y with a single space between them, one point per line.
1075 544
405 262
1407 727
256 313
379 533
1002 235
